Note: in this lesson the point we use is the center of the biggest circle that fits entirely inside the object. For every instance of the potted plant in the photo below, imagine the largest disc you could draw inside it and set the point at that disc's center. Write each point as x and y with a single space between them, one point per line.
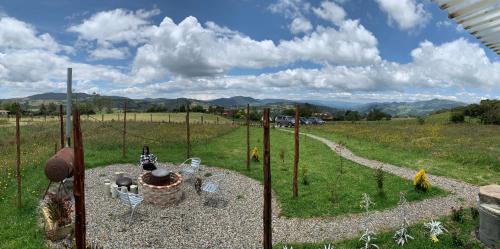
57 216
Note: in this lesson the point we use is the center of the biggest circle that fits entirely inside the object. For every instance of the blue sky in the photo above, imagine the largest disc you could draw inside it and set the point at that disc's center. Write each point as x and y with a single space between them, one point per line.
345 50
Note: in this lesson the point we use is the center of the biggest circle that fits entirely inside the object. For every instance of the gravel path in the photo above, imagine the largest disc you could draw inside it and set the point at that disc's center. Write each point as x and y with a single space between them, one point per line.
237 219
461 194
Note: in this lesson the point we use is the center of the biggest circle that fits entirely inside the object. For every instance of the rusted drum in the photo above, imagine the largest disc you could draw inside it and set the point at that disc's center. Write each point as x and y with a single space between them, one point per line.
60 166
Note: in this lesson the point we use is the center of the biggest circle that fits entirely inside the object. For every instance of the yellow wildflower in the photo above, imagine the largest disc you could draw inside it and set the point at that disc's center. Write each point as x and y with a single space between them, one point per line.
421 182
434 239
255 154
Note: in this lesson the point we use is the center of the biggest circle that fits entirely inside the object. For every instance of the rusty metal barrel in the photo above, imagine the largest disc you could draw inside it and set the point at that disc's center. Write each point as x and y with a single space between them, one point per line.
60 166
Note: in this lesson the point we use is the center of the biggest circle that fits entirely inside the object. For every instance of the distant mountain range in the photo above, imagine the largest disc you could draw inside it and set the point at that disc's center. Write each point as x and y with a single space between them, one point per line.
394 108
417 108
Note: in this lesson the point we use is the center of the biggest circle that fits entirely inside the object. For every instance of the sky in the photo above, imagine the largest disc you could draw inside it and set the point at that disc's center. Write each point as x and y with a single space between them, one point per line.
337 50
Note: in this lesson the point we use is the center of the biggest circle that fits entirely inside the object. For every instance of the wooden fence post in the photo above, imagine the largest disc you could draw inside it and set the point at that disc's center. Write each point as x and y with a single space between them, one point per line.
151 117
102 117
61 120
18 160
296 157
169 118
135 117
188 133
124 129
267 217
79 182
248 136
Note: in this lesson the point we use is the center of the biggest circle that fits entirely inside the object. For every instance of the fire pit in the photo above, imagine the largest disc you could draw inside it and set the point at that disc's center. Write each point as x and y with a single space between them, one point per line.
161 191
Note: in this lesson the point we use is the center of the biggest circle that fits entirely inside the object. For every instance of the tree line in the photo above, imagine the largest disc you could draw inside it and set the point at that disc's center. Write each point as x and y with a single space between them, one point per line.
487 112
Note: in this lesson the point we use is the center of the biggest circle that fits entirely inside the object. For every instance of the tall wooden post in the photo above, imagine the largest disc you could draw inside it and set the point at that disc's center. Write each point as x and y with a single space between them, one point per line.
248 136
79 179
267 244
61 120
202 119
169 118
188 133
124 129
69 92
102 117
217 120
151 117
296 157
18 159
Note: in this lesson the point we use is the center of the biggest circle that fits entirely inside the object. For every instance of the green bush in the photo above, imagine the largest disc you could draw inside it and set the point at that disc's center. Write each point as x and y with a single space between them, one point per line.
457 117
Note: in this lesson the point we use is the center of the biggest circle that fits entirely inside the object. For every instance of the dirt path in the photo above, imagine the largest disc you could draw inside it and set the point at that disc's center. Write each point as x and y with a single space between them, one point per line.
335 228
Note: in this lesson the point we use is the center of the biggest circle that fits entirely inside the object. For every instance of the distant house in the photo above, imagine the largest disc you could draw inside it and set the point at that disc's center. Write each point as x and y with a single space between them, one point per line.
325 116
4 112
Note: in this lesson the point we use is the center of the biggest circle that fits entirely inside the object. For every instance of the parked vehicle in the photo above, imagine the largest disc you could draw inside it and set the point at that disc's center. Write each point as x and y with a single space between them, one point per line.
286 121
304 121
316 120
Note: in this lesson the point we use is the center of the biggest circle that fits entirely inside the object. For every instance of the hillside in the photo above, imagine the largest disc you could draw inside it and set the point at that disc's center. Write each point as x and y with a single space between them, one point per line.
417 108
35 101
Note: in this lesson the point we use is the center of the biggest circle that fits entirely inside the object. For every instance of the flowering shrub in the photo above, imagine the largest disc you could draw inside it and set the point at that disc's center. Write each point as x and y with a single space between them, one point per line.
421 182
255 154
435 229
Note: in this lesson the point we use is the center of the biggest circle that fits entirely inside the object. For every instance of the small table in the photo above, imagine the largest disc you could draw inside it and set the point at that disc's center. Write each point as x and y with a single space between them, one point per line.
124 182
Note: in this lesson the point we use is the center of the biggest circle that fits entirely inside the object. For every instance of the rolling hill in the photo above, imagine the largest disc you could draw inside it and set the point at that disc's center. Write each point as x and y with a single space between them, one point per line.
417 108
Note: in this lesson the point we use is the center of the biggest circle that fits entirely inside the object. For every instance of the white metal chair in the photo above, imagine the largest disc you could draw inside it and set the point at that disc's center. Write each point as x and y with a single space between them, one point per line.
211 185
190 169
130 199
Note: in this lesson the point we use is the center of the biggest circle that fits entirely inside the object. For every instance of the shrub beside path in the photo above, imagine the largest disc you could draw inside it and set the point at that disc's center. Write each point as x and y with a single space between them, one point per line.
345 227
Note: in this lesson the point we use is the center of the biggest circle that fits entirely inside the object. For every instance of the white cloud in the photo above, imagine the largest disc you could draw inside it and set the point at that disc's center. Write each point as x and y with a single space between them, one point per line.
300 25
290 8
449 71
109 53
331 12
33 63
15 34
189 49
108 28
408 14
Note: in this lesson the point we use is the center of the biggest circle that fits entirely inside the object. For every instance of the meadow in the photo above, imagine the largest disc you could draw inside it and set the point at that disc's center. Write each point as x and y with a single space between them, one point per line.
162 117
468 152
218 145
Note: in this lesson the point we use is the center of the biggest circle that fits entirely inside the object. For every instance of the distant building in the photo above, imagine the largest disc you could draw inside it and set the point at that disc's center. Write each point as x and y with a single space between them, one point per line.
325 116
4 112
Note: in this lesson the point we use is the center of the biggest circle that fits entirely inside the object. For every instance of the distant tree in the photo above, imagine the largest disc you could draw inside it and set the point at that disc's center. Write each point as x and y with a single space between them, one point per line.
488 111
289 112
52 108
182 108
197 108
376 114
42 110
457 117
352 116
156 108
86 108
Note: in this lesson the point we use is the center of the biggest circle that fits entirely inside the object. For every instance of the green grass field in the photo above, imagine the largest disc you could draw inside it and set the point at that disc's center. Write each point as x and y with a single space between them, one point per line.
174 117
463 232
217 145
323 168
468 152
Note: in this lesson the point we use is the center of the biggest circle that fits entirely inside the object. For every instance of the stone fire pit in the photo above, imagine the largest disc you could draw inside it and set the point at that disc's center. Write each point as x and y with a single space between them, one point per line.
161 194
